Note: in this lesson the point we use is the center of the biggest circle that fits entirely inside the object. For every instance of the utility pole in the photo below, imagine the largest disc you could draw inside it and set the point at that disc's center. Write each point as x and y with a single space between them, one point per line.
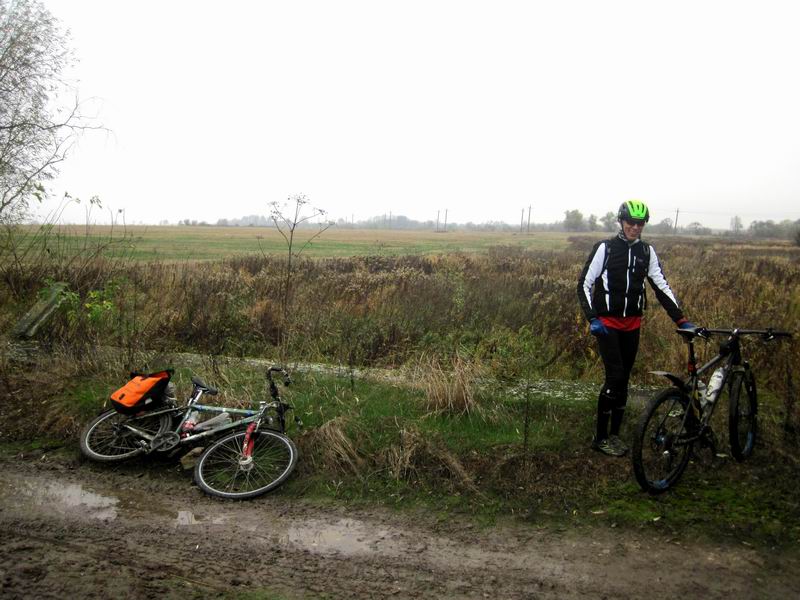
445 220
522 221
677 210
529 218
437 220
390 219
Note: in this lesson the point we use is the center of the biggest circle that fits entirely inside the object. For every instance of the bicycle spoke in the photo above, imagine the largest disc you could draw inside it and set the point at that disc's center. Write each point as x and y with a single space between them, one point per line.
662 447
112 436
224 470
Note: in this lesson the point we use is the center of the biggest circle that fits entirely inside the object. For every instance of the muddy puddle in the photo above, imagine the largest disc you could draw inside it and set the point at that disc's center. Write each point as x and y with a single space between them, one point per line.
63 530
348 537
35 494
73 499
344 537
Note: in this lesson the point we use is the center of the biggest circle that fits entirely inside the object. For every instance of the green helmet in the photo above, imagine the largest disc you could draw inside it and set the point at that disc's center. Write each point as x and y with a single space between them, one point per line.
633 210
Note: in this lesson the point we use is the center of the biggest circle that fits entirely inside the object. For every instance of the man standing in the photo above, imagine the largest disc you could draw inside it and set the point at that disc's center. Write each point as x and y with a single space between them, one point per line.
612 295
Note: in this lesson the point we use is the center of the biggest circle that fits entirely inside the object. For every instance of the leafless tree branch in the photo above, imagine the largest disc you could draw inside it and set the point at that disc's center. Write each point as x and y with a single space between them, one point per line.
36 131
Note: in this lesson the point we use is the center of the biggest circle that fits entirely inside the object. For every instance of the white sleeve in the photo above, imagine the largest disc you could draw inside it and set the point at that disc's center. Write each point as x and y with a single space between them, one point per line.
656 275
593 272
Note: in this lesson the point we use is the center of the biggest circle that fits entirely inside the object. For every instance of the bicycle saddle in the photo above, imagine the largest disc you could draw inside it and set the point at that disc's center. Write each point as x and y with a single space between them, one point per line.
202 385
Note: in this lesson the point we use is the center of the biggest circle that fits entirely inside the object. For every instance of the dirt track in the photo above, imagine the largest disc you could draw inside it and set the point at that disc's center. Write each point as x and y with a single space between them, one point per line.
72 530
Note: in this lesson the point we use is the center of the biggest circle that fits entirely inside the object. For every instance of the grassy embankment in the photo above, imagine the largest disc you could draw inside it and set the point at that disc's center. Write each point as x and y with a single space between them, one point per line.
446 440
388 443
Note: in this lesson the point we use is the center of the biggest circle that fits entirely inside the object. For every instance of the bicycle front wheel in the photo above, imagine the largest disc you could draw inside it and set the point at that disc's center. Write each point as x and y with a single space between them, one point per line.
113 437
660 447
742 413
224 470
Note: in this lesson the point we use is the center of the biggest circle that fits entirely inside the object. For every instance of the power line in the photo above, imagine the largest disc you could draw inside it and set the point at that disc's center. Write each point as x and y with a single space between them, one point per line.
724 213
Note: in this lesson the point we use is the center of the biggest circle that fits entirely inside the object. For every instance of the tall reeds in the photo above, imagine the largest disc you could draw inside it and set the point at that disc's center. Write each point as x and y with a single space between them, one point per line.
513 312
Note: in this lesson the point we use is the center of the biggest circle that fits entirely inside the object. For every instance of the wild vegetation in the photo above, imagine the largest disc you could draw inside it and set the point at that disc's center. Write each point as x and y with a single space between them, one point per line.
519 450
476 340
492 307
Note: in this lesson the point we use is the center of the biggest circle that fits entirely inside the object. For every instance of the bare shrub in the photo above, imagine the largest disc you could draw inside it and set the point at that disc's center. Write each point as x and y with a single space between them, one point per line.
29 255
416 456
331 448
448 390
44 392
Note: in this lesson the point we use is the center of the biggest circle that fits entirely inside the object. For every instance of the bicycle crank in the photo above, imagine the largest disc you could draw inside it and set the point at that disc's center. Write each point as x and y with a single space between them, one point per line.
165 442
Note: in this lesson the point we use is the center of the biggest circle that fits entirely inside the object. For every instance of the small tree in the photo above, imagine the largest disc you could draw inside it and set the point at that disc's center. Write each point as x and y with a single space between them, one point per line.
663 226
764 229
573 221
609 221
287 217
696 228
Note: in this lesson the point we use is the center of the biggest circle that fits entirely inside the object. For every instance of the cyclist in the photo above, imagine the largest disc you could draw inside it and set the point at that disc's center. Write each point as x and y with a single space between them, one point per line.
612 295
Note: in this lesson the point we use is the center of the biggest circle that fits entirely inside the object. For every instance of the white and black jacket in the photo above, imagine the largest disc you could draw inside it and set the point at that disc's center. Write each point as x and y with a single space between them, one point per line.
612 281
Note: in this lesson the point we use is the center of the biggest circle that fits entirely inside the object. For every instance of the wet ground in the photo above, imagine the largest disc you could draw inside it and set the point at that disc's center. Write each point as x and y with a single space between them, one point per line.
72 529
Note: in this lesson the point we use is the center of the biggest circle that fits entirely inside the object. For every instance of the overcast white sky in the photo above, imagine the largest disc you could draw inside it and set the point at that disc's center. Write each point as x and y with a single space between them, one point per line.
481 108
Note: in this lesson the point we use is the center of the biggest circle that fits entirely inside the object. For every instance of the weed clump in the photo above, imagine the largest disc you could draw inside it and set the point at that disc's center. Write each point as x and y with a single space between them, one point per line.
449 391
333 448
416 457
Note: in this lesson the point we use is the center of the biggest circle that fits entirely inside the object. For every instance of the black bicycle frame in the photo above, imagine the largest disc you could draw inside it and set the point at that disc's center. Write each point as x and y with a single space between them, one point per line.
729 351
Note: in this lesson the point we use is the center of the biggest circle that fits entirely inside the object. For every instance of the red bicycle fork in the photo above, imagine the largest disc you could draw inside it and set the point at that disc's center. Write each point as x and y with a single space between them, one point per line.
249 442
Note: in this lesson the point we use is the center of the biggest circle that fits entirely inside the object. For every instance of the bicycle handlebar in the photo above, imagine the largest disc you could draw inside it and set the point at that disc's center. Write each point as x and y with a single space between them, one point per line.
704 332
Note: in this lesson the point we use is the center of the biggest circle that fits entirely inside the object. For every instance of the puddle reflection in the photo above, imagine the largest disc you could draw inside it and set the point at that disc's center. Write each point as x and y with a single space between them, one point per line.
346 536
185 517
188 517
63 498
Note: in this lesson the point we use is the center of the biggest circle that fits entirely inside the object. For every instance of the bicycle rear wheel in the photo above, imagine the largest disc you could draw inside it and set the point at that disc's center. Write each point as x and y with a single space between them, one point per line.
113 437
742 414
660 447
224 471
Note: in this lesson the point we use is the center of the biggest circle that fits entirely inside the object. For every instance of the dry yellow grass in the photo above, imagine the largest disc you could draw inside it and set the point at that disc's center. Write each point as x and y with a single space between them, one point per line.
448 389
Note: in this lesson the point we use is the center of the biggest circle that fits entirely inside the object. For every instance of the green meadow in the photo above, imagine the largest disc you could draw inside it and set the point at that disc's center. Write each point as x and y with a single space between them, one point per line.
188 243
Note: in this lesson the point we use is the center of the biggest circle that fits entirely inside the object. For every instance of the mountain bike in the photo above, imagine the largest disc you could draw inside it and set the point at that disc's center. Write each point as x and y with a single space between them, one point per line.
249 454
679 417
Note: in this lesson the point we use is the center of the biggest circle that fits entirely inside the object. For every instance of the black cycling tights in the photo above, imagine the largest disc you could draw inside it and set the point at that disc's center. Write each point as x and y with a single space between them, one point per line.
618 351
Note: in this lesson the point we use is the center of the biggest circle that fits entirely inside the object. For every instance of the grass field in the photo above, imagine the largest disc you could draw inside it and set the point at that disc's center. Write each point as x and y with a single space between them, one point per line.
377 442
214 243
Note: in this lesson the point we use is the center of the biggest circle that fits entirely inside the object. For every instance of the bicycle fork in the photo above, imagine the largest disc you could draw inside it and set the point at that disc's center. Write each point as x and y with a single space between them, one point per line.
247 445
